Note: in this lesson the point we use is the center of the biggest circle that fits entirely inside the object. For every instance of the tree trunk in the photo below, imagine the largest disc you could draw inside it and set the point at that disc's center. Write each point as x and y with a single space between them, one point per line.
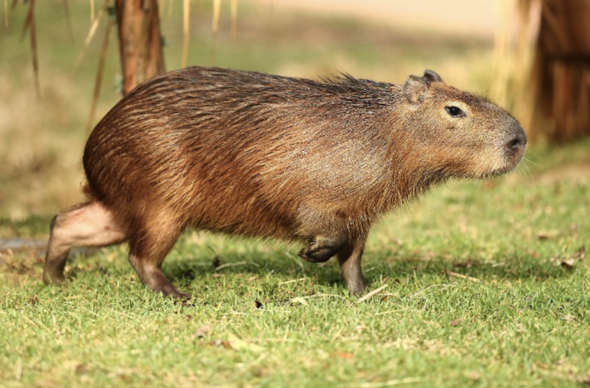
140 41
561 70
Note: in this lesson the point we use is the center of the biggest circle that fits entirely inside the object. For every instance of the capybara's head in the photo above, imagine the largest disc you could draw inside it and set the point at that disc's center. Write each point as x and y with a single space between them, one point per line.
461 134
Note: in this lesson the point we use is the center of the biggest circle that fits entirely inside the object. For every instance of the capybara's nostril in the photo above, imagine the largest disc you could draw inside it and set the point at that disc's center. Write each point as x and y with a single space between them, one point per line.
514 143
519 141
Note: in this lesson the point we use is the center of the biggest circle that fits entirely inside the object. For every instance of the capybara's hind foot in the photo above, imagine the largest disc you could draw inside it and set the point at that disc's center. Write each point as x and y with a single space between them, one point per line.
55 258
53 274
183 296
315 256
320 250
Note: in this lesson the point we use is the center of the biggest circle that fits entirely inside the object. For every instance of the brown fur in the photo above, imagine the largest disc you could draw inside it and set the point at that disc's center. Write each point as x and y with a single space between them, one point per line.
275 157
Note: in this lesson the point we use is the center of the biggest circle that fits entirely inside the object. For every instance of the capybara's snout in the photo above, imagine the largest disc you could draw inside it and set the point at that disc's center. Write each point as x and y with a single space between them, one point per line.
515 146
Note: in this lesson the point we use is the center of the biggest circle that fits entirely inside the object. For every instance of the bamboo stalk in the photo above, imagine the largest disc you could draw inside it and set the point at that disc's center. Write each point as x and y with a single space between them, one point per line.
186 32
234 19
92 31
215 27
98 80
68 20
216 13
155 55
30 27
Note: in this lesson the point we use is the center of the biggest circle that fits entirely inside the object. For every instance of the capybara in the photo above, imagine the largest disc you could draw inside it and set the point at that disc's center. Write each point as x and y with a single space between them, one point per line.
267 156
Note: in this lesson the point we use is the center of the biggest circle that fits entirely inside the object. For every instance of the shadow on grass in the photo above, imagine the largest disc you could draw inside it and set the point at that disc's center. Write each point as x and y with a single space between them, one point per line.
401 269
200 267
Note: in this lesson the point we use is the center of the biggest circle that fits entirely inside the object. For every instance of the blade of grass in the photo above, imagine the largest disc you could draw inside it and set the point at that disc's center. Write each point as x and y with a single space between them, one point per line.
236 264
391 383
458 275
371 294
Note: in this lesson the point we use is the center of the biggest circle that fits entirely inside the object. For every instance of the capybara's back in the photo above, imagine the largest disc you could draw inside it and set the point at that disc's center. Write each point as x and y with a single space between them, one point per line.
274 157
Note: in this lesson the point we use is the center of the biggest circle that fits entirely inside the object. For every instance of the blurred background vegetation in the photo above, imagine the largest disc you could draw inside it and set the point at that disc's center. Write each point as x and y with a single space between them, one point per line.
486 47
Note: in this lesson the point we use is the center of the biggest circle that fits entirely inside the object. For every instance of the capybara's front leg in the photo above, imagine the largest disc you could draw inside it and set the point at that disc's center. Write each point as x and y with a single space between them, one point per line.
148 246
350 266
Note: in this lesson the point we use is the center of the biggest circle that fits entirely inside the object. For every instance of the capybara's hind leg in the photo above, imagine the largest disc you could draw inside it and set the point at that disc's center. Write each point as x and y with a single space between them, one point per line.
89 225
148 248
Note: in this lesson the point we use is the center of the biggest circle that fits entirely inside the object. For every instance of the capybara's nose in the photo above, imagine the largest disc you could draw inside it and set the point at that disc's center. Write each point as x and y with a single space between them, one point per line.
518 140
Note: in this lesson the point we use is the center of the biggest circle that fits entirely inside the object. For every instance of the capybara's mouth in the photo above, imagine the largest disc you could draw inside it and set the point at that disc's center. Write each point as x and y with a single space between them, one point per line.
512 162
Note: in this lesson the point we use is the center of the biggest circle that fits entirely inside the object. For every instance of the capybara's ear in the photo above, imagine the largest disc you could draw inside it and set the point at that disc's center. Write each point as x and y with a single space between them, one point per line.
415 88
431 76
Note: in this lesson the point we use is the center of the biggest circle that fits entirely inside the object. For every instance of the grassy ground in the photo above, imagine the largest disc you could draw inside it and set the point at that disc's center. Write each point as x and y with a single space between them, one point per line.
486 284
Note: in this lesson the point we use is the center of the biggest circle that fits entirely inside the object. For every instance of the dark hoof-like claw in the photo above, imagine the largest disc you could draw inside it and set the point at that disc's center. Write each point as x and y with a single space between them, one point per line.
172 292
182 296
317 254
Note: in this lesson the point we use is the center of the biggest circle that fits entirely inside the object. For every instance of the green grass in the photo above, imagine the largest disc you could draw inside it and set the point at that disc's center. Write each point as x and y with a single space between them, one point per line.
486 283
479 293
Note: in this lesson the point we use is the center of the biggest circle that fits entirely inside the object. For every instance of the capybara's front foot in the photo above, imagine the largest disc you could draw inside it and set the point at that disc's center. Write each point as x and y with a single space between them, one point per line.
164 287
176 294
154 278
350 267
356 286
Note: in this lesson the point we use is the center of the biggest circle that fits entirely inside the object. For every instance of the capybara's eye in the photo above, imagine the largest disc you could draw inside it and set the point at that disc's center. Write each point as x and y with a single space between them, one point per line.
453 111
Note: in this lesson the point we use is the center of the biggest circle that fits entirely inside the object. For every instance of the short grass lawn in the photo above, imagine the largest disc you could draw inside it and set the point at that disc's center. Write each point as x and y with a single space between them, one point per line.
483 285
